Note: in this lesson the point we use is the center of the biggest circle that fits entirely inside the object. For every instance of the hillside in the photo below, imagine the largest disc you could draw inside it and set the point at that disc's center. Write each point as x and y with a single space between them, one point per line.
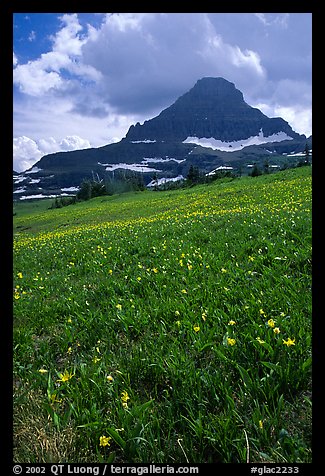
158 326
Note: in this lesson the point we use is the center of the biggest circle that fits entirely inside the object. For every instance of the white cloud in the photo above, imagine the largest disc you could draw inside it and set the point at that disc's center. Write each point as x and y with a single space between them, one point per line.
45 74
32 36
231 58
273 19
32 79
148 60
27 151
299 118
56 117
247 58
125 21
74 142
48 145
67 41
289 99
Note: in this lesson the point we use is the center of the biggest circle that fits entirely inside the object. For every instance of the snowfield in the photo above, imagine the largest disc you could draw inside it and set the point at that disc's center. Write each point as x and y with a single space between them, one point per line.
217 144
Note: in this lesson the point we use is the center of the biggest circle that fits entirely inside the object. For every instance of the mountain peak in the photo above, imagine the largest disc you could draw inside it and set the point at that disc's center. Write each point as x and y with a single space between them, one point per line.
213 107
214 85
214 92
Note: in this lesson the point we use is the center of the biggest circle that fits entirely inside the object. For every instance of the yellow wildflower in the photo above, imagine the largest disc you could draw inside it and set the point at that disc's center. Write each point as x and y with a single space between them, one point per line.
271 323
260 424
196 328
43 371
289 342
20 275
54 399
125 397
104 440
65 377
231 323
276 330
231 341
260 340
110 378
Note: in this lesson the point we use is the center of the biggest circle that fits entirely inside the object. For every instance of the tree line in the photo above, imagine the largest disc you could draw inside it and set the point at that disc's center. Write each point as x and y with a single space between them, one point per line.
120 182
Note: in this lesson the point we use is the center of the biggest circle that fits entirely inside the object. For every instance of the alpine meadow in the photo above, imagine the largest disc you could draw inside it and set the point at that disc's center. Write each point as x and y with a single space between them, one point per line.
166 326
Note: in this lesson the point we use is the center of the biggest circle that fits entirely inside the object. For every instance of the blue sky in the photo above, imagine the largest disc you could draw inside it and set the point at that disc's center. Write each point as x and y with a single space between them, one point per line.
81 79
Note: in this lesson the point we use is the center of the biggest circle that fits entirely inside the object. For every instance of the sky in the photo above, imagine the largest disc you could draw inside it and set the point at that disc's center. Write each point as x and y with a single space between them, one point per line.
82 79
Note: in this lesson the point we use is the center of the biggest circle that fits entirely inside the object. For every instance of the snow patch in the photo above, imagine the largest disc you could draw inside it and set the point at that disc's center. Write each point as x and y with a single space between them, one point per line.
70 189
34 170
20 190
145 141
19 179
222 167
160 159
135 167
162 181
30 197
143 165
217 144
297 154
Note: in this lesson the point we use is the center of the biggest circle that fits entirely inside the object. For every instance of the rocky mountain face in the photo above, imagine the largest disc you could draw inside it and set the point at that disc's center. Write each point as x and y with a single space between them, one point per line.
210 126
212 108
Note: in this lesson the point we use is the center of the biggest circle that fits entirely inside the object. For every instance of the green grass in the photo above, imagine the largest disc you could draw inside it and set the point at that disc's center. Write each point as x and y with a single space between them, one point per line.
163 321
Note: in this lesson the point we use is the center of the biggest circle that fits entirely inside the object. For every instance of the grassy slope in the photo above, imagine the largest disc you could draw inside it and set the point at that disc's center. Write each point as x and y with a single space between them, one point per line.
176 297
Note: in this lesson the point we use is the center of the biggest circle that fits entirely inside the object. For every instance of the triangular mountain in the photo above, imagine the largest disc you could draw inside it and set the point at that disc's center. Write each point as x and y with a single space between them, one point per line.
210 126
212 108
